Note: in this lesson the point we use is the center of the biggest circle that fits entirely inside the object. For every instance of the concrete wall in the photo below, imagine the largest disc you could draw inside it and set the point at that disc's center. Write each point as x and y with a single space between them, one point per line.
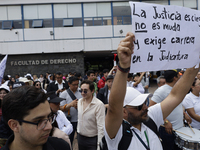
41 63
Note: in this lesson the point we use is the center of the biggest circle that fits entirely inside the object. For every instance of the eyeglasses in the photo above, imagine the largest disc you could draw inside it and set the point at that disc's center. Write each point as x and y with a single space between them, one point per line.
38 84
138 107
41 124
84 91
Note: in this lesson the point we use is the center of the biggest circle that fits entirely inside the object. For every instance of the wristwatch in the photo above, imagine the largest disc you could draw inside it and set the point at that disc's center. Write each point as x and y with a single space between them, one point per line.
166 121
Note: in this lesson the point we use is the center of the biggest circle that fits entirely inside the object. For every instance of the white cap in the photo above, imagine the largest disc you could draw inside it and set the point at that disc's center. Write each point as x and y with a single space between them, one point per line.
5 87
134 98
25 80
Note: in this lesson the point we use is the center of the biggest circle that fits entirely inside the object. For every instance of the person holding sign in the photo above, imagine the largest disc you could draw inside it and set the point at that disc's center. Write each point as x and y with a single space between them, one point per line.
129 105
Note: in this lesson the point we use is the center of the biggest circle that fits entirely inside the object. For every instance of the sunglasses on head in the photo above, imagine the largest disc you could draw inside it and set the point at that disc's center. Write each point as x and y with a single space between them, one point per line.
84 91
138 107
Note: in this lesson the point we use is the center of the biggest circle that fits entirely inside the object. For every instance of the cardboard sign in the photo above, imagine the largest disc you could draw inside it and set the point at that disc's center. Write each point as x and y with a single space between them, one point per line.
167 37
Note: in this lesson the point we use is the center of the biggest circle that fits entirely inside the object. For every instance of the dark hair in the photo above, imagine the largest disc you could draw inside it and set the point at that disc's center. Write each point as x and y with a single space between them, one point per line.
105 70
169 75
78 74
35 82
89 72
18 103
91 84
193 84
72 79
59 73
6 77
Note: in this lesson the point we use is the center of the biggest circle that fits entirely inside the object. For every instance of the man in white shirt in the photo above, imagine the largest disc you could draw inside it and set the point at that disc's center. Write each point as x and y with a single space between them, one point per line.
59 85
91 118
175 118
132 107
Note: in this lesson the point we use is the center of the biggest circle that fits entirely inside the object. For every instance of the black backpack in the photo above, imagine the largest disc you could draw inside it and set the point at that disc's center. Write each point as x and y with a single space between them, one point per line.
127 135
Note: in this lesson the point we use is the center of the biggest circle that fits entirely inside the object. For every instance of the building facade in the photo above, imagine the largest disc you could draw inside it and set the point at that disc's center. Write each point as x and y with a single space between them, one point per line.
65 35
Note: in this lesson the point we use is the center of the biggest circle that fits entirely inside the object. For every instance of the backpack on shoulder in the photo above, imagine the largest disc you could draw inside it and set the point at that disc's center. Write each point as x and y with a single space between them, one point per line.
127 135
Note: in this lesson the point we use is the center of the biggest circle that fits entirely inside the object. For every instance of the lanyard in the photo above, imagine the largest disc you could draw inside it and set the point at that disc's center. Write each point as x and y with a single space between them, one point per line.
147 147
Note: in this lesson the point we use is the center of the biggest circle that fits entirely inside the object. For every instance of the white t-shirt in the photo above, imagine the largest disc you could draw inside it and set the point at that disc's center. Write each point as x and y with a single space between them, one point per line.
139 87
176 116
193 101
155 113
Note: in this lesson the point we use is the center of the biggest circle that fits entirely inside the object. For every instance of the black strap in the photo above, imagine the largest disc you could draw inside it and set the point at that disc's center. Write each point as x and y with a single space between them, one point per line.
141 141
127 136
152 125
71 94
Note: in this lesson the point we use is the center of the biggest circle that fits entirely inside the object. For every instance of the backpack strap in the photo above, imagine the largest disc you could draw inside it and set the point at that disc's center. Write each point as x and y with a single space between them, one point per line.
127 136
152 125
73 97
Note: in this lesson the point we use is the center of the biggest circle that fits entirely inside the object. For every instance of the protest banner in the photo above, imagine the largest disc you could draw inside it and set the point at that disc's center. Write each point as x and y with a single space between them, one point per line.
3 67
167 37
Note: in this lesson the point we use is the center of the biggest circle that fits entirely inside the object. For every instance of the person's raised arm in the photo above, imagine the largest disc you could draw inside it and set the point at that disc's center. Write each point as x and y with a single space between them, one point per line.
179 91
139 80
114 115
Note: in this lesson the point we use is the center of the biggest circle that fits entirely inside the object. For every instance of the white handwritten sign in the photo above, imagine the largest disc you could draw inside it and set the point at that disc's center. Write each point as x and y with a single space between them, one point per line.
167 37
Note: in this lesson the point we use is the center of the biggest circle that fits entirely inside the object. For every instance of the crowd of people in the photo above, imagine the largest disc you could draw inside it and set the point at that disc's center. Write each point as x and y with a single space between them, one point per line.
110 111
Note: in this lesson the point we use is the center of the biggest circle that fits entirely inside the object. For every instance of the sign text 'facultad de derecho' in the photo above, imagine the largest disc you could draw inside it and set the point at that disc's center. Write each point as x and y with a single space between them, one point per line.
42 62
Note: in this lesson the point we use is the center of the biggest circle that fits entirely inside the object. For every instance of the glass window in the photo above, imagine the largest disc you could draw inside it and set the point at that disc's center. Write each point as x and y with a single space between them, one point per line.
98 21
88 21
7 24
37 23
121 13
67 22
58 22
17 24
77 21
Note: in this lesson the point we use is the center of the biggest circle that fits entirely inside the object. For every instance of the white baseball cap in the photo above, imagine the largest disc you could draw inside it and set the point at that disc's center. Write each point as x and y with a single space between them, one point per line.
134 98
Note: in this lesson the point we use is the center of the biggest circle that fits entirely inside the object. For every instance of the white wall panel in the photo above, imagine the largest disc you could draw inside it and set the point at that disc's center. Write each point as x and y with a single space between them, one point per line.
74 10
98 31
90 10
32 47
44 12
97 44
3 12
125 28
9 35
38 34
30 12
14 12
103 9
69 32
60 11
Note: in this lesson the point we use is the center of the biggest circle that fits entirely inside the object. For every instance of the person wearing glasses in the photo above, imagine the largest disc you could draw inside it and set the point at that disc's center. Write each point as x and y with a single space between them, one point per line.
127 104
91 118
69 105
28 114
38 85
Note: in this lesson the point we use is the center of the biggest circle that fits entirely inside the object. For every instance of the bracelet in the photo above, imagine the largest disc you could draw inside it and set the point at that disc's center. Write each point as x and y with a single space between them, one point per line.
124 70
65 106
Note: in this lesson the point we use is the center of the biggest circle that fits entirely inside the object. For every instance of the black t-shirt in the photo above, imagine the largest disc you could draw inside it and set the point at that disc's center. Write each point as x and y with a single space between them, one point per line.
52 143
